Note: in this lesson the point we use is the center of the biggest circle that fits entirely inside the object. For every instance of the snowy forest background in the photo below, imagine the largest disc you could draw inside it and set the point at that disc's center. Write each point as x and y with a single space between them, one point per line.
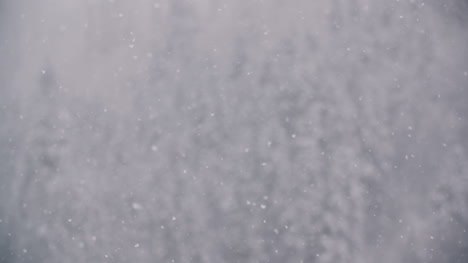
233 131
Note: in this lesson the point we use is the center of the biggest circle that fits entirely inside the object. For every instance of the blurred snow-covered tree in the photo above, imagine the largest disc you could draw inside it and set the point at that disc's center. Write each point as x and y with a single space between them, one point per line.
223 131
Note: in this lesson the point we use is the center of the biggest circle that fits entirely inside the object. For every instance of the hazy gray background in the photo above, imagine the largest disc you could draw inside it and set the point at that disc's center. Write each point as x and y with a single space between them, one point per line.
233 131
